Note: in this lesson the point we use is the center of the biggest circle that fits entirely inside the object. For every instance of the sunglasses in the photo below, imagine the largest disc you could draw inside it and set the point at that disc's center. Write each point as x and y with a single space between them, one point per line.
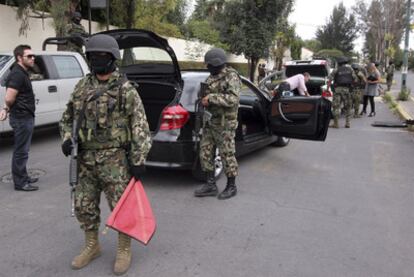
30 56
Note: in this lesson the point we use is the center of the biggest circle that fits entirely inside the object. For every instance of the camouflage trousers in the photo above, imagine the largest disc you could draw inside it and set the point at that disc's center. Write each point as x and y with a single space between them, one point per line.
342 95
223 139
99 170
356 100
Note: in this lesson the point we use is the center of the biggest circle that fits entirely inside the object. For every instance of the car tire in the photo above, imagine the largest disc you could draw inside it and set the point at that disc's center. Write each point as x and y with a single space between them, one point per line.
281 142
200 175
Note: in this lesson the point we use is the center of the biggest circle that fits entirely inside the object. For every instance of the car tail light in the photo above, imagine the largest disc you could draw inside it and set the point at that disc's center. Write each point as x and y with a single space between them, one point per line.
173 117
326 93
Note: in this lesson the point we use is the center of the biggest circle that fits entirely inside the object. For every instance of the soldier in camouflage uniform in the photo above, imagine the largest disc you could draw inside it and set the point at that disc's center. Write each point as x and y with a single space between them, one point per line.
344 79
222 101
390 74
114 140
358 88
75 29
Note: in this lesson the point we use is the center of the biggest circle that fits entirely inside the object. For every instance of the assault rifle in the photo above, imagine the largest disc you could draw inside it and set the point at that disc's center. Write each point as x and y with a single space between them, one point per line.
201 117
73 166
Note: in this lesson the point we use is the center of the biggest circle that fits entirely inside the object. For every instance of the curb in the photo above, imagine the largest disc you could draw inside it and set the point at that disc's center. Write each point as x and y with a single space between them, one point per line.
405 116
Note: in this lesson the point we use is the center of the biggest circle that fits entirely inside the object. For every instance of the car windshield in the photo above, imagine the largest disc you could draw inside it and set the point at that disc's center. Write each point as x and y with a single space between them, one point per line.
146 60
3 60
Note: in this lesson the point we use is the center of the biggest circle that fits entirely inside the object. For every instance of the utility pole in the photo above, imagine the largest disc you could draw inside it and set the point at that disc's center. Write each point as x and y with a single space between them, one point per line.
407 41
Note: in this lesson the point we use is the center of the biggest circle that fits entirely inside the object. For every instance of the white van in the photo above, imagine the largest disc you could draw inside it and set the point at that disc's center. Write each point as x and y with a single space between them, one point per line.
54 77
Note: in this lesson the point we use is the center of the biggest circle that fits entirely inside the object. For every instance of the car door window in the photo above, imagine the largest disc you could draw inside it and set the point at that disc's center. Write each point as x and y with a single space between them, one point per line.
67 67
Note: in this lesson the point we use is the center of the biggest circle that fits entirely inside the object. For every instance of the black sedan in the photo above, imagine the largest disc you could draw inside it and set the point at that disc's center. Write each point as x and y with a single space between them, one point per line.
169 98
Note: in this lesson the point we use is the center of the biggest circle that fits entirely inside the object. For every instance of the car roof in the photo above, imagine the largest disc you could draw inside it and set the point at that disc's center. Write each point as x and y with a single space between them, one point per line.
43 53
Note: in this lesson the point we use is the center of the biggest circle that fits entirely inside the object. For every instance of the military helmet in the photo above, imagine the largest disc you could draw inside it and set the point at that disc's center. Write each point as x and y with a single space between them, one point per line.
215 57
103 43
342 60
76 15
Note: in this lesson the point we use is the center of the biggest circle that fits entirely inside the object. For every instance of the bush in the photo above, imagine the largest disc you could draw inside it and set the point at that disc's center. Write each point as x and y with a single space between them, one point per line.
387 97
404 94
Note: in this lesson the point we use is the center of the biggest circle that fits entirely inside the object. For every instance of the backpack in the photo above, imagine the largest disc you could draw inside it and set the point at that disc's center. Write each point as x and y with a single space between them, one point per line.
343 77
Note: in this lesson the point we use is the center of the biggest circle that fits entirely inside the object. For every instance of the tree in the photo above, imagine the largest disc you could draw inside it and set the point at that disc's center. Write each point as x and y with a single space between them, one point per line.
59 10
283 39
312 44
152 15
383 24
249 26
296 48
340 31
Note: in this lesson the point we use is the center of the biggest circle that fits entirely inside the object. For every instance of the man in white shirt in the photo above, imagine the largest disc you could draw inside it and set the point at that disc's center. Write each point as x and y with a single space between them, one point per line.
298 82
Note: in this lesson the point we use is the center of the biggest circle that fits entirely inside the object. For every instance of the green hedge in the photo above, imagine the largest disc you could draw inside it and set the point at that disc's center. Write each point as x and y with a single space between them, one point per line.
242 68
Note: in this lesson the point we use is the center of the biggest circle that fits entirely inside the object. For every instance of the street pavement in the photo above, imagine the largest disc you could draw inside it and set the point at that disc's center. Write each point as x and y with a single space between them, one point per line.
342 207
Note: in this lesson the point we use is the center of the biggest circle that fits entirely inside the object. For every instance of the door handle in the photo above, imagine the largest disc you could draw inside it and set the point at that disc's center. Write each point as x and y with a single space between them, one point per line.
52 89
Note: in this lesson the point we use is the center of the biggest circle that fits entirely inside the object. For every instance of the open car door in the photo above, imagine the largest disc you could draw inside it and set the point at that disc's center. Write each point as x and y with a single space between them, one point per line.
300 117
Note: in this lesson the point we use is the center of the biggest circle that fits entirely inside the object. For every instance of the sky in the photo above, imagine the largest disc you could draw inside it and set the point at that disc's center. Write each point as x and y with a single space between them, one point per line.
309 15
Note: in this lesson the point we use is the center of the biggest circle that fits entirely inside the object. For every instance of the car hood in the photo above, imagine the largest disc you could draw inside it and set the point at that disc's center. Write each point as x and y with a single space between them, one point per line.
130 38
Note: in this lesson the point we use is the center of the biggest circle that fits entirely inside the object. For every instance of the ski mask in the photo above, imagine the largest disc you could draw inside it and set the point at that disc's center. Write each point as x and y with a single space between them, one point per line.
102 64
214 70
76 20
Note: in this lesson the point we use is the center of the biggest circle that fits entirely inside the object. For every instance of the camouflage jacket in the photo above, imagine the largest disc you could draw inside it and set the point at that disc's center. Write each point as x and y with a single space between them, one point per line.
75 29
223 97
390 71
115 119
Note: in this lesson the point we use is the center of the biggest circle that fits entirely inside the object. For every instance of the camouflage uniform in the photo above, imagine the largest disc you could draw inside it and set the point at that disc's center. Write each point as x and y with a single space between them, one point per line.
358 92
342 95
114 135
223 98
390 75
73 29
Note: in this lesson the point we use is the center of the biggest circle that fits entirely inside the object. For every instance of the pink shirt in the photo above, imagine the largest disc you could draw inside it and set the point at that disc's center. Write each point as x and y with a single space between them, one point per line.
297 81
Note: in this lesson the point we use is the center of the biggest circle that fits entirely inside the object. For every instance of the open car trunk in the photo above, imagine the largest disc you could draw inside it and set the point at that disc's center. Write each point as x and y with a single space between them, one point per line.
155 97
314 86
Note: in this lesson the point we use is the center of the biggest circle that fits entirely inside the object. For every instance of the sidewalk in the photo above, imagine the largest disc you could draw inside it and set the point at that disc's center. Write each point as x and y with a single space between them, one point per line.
405 109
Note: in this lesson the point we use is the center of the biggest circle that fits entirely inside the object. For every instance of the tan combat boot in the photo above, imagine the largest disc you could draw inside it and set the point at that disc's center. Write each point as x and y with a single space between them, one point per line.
91 250
335 124
123 255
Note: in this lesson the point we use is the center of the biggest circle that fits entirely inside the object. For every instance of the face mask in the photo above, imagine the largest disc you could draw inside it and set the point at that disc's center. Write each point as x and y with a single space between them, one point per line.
76 20
102 64
214 70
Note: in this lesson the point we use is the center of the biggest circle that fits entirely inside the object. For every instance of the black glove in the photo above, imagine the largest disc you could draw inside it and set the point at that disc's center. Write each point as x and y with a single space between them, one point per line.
137 171
67 147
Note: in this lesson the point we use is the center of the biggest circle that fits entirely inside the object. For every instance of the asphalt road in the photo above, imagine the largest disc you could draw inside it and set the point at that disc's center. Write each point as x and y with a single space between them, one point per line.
343 207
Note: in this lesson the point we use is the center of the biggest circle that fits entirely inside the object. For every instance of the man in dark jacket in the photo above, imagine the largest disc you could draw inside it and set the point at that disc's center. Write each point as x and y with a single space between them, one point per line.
20 105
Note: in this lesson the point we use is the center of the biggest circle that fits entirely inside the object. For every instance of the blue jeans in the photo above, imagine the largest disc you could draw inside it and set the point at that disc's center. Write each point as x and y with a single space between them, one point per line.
23 131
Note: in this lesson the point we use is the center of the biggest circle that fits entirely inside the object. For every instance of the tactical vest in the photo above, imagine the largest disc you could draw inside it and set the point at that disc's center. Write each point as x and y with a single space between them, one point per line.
101 116
222 116
343 76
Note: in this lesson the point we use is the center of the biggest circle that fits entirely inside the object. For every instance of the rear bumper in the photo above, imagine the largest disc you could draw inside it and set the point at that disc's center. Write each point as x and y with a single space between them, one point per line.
177 155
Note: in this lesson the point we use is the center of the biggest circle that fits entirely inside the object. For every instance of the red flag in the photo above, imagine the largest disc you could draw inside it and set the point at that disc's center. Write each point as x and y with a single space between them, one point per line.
133 214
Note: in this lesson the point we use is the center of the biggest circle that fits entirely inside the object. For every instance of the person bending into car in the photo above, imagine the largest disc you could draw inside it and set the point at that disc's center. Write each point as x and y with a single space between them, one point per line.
297 81
20 103
222 101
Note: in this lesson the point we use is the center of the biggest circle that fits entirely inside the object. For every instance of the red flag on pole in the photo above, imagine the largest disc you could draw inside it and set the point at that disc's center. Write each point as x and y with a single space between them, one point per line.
133 214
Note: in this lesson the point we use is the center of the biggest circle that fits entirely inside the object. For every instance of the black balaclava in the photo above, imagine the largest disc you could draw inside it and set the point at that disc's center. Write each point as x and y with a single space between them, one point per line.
76 20
101 64
215 70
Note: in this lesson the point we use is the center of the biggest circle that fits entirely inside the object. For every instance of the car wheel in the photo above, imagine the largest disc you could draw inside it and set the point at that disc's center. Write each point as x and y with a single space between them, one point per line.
280 142
218 164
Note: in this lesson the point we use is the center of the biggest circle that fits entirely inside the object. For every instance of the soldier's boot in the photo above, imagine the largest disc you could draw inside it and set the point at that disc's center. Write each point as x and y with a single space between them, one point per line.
347 123
209 188
123 255
335 123
230 190
91 250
